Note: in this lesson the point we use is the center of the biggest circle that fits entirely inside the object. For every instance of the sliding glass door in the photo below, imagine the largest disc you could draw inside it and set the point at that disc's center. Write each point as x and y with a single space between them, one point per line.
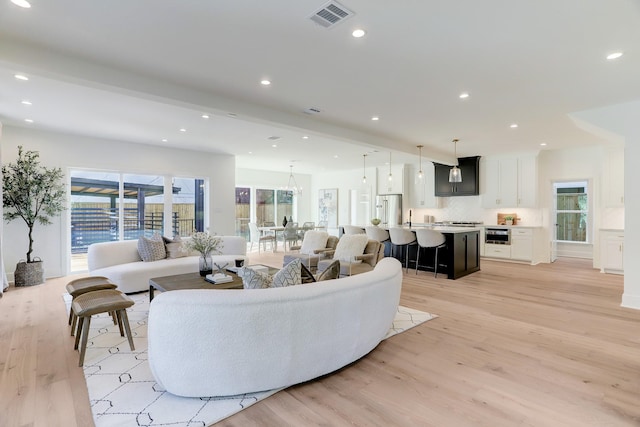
108 206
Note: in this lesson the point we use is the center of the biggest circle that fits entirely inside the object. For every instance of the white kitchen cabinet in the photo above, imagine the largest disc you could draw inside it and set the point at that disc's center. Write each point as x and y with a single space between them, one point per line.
394 186
612 251
421 191
497 251
509 182
613 179
527 181
522 244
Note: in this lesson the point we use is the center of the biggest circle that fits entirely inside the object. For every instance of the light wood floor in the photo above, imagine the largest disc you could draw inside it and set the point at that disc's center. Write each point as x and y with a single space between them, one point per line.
514 345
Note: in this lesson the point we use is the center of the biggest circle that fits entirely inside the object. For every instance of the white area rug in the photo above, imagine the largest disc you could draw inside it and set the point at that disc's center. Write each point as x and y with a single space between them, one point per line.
123 392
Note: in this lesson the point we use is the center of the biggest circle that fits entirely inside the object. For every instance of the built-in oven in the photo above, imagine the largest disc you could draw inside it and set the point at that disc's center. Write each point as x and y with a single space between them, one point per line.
498 236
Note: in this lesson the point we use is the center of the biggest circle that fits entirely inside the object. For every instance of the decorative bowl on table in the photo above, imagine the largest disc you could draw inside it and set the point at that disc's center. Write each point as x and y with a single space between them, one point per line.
375 221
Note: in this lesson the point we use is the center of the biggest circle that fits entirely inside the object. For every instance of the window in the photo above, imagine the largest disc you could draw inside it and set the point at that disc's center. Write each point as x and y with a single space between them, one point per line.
243 211
285 204
108 206
143 205
187 207
572 211
265 206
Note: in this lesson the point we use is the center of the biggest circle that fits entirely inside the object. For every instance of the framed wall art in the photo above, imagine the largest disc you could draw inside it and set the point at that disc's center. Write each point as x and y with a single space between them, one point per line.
328 206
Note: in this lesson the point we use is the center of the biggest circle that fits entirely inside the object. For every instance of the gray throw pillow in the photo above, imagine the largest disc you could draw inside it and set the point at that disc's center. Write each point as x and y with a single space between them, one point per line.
252 279
288 276
151 249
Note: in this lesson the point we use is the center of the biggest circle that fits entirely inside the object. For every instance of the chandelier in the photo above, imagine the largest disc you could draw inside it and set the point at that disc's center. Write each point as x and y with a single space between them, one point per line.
292 185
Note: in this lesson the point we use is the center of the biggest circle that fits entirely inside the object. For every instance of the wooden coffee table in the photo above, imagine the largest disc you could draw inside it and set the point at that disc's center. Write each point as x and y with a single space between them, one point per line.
193 281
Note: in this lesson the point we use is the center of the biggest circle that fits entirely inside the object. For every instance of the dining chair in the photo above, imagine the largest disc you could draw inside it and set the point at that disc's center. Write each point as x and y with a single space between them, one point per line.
290 235
256 237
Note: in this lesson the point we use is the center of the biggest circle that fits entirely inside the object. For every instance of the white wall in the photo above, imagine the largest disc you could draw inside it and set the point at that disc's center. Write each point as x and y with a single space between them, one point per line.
345 182
621 121
52 243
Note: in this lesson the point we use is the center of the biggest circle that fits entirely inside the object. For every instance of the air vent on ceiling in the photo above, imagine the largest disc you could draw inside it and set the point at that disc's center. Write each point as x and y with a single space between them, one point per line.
331 14
273 138
312 110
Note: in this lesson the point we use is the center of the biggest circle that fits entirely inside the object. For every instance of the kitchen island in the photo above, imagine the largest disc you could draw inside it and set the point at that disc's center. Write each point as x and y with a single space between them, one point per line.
461 256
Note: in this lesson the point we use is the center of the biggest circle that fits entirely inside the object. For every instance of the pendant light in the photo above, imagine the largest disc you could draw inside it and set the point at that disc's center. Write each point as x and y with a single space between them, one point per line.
364 168
455 174
420 157
390 176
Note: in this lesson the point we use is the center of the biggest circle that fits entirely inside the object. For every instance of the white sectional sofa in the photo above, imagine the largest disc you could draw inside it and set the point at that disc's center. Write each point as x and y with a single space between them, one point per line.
228 342
121 263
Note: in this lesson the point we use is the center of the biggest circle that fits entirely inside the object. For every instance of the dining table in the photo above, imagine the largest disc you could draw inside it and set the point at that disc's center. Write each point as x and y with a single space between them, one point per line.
278 229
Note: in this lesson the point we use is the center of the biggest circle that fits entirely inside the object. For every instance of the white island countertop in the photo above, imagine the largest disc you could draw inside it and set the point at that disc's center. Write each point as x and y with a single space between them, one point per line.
440 228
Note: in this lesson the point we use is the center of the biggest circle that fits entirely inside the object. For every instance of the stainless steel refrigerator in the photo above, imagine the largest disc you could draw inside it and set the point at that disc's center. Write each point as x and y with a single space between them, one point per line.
389 209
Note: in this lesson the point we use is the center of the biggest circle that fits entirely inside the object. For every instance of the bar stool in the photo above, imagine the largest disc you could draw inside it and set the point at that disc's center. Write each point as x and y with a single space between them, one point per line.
402 237
353 229
380 234
376 233
96 302
83 285
429 239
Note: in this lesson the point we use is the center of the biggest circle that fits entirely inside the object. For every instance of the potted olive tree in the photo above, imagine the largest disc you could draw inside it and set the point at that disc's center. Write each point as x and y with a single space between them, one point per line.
34 194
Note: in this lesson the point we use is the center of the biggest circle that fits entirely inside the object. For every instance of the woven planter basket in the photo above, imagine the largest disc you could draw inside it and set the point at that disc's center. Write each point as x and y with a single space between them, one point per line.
29 273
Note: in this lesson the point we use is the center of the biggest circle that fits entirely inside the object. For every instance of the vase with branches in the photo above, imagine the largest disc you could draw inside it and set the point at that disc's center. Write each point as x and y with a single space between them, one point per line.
207 245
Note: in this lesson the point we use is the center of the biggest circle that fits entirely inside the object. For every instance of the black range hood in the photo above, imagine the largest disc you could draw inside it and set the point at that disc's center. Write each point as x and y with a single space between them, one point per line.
470 185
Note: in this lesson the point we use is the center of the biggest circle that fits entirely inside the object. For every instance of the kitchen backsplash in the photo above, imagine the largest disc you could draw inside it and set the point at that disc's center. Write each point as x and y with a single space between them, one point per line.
469 209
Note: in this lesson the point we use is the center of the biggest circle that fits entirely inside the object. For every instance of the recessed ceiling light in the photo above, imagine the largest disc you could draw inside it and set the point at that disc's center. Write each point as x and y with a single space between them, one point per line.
305 137
464 95
274 145
22 3
250 152
513 125
26 102
614 55
164 139
205 116
183 130
375 118
265 82
335 156
21 77
28 120
358 33
543 144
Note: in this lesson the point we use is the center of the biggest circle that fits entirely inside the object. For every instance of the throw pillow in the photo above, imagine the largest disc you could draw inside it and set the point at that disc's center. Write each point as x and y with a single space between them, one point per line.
151 249
313 240
252 279
331 272
349 246
305 275
174 247
289 275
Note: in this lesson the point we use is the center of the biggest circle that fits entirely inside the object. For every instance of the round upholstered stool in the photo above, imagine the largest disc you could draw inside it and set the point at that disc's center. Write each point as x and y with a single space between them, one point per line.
96 302
83 285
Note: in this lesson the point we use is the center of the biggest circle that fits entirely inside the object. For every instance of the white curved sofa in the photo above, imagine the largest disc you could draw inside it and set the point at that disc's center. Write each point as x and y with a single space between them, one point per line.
121 263
228 342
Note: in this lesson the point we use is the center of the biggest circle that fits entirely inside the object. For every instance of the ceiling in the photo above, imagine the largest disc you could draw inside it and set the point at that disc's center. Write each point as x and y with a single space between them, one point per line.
142 70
